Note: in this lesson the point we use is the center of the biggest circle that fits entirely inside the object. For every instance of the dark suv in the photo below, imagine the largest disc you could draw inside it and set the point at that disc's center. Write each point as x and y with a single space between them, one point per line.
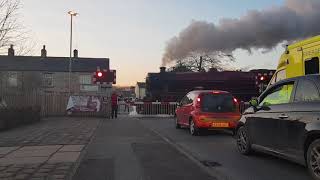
285 121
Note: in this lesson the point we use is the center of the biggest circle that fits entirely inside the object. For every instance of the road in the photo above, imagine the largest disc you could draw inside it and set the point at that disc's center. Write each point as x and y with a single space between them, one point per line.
152 149
123 149
220 149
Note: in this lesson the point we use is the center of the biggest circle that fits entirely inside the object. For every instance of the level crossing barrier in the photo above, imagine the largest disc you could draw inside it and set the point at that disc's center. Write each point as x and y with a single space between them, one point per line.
155 108
164 108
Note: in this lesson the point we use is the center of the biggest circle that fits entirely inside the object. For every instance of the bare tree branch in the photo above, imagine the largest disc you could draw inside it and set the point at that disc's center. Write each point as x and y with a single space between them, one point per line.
202 61
11 29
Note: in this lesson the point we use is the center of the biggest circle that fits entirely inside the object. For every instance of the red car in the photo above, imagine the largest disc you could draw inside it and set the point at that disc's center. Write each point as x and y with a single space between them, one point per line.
207 110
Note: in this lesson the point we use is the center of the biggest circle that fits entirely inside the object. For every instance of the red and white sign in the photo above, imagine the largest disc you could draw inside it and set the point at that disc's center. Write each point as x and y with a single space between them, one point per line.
83 104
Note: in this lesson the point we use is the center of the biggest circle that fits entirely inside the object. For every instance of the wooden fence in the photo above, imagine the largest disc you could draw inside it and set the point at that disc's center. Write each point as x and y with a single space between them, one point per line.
53 104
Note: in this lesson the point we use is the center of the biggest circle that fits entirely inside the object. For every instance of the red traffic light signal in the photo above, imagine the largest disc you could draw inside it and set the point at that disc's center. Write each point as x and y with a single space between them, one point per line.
99 74
99 77
262 78
104 77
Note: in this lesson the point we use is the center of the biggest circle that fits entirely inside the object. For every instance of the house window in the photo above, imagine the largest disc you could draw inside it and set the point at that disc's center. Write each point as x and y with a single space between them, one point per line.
13 79
48 80
86 85
85 79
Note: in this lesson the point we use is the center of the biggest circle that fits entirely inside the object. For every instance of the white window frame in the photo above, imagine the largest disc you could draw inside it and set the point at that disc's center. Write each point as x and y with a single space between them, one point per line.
48 77
13 79
86 85
85 79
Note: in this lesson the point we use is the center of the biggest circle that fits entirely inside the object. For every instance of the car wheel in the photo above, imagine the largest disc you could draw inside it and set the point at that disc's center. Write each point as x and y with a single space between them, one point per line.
178 126
313 159
194 131
243 142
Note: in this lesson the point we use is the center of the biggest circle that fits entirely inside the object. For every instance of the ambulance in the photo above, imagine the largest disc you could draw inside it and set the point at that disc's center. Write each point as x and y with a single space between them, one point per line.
299 59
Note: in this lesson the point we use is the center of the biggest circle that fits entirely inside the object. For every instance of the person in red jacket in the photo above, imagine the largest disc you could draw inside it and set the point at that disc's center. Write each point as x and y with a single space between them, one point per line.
114 105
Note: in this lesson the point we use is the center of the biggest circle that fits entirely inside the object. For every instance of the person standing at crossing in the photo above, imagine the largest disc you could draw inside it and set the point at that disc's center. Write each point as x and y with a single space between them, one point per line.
114 105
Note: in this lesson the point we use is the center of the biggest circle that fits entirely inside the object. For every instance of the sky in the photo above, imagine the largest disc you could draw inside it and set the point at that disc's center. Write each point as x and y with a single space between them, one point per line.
133 33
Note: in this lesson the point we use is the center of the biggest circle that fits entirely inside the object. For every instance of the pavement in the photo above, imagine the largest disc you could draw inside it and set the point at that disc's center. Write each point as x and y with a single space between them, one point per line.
50 149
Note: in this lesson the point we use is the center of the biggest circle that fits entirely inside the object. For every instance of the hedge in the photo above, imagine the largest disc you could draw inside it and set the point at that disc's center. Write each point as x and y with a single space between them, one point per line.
14 117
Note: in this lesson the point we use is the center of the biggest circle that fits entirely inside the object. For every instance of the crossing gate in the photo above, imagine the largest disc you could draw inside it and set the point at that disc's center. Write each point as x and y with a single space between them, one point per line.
155 108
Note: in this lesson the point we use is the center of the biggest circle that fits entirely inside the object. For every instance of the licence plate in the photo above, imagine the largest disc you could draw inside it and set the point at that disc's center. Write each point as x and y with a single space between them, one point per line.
221 125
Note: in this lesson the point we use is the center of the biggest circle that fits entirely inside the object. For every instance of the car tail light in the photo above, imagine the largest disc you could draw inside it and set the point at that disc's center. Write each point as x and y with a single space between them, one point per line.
198 102
236 104
235 100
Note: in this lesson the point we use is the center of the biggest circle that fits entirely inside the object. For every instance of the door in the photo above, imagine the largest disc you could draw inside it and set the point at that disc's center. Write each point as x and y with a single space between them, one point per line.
264 123
188 107
306 110
180 110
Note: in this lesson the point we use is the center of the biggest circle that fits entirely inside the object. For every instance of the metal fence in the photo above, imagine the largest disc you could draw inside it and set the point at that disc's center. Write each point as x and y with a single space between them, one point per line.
155 108
168 108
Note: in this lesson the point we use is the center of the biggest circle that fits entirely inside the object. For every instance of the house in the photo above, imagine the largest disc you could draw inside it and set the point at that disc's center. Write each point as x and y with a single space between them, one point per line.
50 74
140 90
46 82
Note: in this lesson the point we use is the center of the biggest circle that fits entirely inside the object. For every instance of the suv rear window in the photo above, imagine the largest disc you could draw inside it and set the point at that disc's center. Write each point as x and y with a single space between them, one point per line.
218 103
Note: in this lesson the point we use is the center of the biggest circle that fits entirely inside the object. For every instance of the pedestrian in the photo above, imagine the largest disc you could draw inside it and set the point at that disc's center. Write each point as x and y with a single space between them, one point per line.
127 105
114 105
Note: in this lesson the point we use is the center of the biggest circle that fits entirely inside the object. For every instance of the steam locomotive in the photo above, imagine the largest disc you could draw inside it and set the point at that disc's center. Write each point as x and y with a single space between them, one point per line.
172 86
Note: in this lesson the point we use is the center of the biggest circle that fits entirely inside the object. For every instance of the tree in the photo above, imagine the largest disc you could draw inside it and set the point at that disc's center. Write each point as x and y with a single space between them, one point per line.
11 29
202 62
180 66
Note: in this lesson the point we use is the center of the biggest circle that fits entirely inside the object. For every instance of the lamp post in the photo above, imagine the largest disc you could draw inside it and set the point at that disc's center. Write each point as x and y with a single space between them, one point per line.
72 14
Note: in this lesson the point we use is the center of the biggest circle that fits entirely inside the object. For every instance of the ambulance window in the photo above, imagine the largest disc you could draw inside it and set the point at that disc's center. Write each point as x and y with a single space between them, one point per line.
281 75
273 80
312 66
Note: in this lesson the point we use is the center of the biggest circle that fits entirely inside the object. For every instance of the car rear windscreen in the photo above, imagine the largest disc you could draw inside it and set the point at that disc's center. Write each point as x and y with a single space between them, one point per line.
217 103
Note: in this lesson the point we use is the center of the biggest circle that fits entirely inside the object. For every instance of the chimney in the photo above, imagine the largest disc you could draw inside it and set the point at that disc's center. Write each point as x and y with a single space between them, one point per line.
11 51
75 53
44 51
162 69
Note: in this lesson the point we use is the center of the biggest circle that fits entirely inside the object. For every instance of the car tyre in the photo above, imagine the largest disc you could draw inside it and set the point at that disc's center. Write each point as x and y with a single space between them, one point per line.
313 159
193 129
178 126
243 141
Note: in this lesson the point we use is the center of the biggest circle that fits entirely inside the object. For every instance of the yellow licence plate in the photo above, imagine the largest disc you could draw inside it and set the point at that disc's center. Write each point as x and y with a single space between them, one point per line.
221 125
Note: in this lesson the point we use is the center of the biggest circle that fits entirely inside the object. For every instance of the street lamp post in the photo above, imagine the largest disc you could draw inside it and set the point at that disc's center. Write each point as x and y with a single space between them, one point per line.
72 14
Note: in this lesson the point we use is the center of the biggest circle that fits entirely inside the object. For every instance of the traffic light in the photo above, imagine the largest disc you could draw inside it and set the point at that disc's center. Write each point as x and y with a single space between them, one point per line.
99 77
104 76
262 81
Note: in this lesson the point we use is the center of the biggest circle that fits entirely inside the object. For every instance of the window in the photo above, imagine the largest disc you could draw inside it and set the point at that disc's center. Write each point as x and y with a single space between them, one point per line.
281 75
273 80
279 95
311 66
218 103
191 97
85 79
13 79
48 80
306 92
184 100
